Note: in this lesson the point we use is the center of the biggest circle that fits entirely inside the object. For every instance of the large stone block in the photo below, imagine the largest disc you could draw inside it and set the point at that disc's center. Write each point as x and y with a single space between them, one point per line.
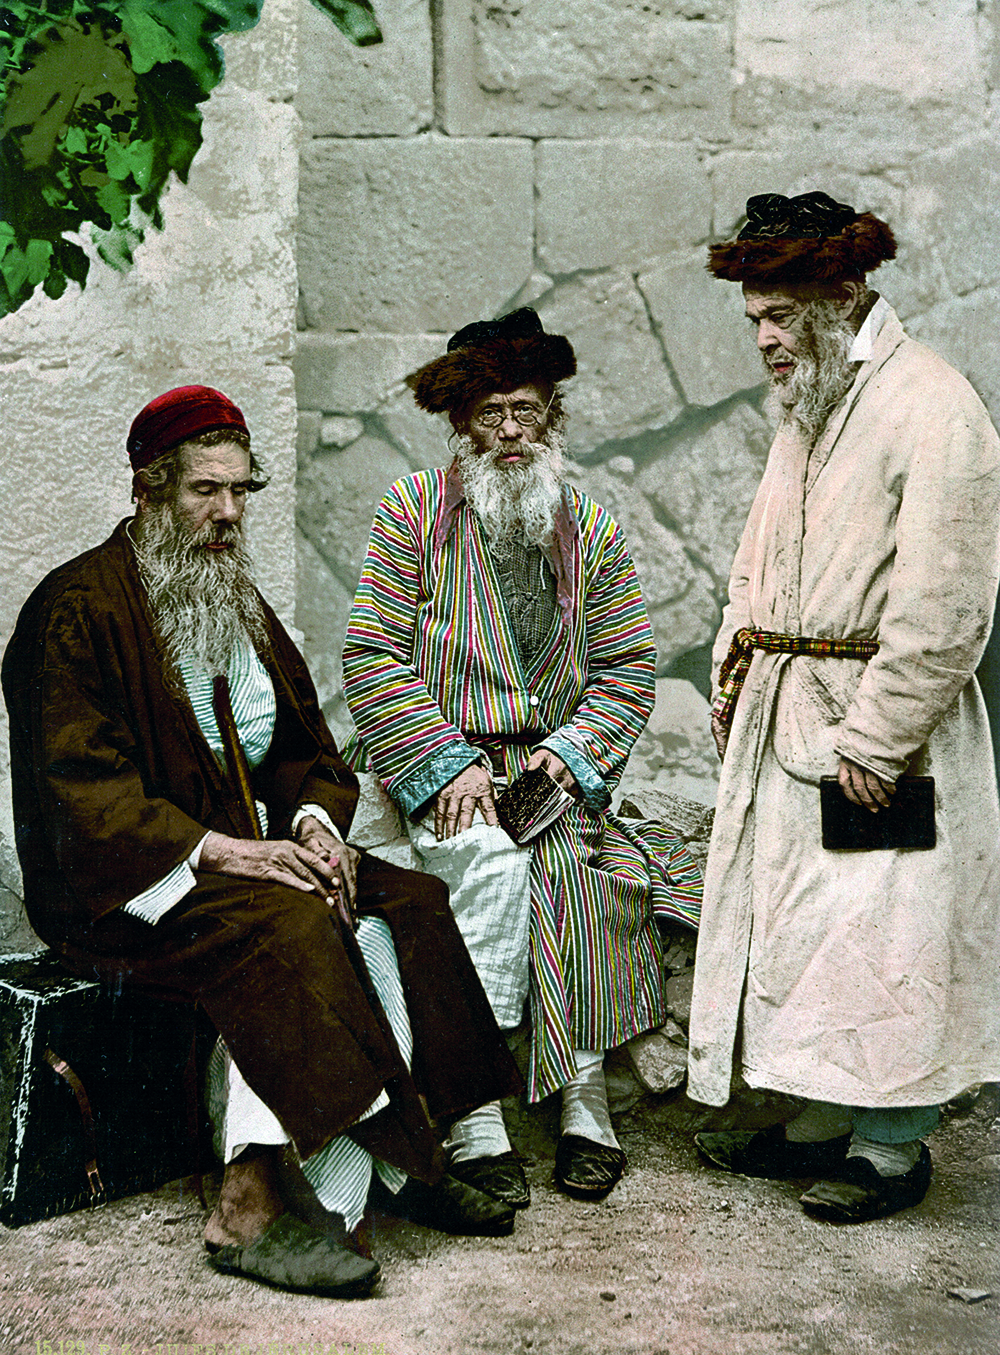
704 482
858 73
679 595
321 609
382 90
953 209
338 492
597 67
403 236
964 332
353 373
622 386
422 438
702 327
612 202
264 57
673 771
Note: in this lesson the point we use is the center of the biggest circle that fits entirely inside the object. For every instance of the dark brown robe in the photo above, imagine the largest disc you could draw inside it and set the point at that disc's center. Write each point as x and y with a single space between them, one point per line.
114 785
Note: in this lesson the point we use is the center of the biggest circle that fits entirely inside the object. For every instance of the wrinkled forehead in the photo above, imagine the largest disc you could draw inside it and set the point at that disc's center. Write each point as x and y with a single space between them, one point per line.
780 301
531 393
225 463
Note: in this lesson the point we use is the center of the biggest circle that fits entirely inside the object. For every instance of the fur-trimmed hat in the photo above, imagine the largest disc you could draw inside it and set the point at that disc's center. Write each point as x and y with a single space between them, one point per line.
810 238
493 357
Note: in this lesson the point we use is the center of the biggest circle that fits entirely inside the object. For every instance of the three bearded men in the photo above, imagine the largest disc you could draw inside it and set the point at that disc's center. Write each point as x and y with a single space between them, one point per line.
498 627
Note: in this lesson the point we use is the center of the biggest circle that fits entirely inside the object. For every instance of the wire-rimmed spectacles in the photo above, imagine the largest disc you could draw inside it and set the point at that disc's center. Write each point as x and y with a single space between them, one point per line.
527 415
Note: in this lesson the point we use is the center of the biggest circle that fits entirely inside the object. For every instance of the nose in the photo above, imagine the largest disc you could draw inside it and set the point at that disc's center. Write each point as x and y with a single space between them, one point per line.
227 508
510 430
766 336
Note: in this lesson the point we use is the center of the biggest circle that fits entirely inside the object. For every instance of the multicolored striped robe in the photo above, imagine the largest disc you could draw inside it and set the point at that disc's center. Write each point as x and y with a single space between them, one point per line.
430 657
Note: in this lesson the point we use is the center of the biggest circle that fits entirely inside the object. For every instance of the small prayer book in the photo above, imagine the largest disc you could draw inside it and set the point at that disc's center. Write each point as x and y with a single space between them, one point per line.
530 804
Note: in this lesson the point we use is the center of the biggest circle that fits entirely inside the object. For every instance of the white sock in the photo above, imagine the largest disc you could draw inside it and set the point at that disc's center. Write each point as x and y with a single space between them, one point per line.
888 1159
820 1120
585 1101
481 1133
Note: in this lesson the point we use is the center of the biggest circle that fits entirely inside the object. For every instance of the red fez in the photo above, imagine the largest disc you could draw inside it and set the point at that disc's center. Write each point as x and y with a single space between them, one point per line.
177 416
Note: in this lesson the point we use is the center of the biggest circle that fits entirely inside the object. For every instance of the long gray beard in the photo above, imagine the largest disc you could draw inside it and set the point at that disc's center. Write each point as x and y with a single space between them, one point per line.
516 502
205 605
822 373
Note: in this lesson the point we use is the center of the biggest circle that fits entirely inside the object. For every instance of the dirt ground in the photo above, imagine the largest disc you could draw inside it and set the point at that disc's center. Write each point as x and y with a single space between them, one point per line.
678 1260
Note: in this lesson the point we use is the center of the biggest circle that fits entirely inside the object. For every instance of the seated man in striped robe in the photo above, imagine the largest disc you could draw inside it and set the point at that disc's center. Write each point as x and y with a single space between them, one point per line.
499 626
181 815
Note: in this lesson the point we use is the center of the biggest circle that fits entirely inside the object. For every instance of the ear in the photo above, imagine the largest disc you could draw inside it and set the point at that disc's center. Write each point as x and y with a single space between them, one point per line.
852 293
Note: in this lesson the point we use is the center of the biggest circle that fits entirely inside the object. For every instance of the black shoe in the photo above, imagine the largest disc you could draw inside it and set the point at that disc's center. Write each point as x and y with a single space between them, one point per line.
863 1193
292 1255
766 1152
587 1170
501 1177
450 1206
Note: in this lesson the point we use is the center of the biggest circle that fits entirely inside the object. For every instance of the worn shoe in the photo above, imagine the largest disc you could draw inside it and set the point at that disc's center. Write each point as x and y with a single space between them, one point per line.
451 1206
586 1170
862 1193
292 1255
766 1152
501 1177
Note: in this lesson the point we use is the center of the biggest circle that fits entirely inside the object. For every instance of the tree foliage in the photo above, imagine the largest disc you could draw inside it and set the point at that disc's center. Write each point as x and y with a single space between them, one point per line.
101 103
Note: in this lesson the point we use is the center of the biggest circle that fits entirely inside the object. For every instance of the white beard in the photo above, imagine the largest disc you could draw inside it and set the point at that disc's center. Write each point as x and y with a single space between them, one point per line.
514 502
822 374
205 605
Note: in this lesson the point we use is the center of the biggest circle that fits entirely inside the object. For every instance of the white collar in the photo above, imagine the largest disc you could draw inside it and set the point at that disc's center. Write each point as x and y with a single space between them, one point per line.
864 340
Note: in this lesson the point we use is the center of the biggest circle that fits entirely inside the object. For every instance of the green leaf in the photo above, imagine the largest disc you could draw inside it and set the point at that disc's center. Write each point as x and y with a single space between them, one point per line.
117 160
115 201
14 267
37 255
76 141
355 19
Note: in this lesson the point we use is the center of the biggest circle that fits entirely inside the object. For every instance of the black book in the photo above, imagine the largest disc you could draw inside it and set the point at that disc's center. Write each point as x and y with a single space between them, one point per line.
530 804
907 822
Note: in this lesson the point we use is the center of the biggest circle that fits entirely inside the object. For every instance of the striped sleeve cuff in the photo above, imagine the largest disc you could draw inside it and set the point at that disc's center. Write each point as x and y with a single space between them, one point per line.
158 899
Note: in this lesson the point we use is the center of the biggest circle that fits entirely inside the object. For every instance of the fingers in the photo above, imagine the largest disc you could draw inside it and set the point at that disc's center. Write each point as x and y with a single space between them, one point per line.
720 733
862 787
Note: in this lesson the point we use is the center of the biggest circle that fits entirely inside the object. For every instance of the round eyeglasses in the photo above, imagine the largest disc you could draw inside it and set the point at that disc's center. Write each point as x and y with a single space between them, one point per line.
528 416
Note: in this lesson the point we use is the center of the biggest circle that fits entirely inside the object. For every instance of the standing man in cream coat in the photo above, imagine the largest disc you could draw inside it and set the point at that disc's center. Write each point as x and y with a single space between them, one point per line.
861 598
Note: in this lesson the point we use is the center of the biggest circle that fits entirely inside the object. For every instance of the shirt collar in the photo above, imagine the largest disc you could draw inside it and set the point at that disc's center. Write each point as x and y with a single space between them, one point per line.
864 340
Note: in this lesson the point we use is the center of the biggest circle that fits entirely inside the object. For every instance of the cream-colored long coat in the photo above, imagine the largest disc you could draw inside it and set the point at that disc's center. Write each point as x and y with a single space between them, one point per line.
864 978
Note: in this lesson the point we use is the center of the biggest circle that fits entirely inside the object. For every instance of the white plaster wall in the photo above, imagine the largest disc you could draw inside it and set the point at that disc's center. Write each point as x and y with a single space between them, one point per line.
211 300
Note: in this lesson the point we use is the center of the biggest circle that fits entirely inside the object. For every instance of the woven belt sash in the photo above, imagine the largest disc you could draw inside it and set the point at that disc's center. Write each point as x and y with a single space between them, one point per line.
734 670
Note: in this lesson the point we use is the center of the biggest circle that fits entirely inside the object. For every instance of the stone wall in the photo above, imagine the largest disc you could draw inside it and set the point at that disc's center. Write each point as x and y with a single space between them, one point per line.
210 299
579 157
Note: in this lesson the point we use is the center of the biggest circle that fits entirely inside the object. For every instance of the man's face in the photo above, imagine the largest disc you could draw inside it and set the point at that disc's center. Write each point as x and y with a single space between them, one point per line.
506 424
778 319
211 494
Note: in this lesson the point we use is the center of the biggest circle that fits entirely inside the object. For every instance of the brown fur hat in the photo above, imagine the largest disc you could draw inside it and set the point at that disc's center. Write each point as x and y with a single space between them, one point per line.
808 239
493 357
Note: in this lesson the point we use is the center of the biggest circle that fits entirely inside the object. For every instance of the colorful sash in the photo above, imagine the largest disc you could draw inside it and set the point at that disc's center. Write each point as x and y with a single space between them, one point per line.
734 670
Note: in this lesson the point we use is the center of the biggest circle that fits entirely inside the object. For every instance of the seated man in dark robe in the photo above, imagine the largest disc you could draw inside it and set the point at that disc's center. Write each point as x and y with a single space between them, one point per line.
181 814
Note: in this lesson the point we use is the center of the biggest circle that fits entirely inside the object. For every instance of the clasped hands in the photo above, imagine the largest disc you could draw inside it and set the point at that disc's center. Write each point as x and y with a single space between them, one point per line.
472 789
317 863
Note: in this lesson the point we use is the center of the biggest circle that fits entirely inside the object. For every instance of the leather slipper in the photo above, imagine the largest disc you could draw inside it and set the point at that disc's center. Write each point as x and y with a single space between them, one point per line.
292 1255
863 1193
767 1153
501 1177
450 1206
586 1170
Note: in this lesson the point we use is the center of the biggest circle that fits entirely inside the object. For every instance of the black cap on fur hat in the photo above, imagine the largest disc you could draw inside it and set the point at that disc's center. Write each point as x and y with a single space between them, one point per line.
493 356
810 238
